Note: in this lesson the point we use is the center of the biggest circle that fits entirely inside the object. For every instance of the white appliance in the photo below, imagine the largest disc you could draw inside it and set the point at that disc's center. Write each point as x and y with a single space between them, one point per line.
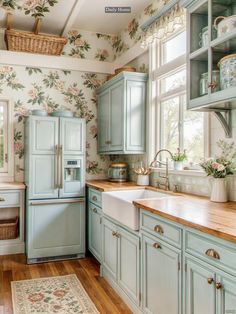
55 180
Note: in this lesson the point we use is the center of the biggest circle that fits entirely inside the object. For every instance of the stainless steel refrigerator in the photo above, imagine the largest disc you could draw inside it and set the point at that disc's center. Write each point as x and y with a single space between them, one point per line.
55 195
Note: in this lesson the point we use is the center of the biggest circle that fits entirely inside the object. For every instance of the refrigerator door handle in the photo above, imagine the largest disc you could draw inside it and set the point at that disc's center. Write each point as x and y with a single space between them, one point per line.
61 201
57 168
61 168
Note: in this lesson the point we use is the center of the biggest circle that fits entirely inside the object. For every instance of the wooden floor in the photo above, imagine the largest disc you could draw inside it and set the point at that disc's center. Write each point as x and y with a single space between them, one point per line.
13 267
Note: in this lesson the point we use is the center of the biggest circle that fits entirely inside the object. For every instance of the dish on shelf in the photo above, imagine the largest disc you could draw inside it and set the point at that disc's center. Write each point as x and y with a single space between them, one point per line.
39 112
227 67
62 113
226 25
126 68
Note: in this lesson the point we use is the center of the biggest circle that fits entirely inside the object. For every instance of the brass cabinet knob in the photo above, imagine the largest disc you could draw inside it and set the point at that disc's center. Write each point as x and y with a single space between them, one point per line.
159 229
95 210
117 235
2 199
113 233
212 253
210 280
94 198
157 245
107 142
218 285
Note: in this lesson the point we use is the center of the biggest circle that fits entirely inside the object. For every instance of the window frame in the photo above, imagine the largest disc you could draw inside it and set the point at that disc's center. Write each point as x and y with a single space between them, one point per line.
7 173
156 73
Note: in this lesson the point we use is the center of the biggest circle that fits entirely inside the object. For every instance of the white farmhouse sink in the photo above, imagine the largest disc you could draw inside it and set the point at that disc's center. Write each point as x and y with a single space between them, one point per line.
118 205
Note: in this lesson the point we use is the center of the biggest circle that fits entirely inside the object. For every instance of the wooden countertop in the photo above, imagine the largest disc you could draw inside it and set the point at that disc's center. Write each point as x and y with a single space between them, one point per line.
12 186
217 219
106 186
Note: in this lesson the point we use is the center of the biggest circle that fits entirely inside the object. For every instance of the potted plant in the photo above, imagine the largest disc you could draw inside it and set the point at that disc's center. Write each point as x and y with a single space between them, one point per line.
219 168
178 159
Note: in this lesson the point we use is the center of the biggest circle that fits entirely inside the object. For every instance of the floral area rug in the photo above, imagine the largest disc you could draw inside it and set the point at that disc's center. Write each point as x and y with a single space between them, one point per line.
62 295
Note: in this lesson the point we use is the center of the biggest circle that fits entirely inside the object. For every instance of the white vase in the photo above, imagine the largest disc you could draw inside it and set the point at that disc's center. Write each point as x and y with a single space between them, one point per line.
178 165
218 190
143 179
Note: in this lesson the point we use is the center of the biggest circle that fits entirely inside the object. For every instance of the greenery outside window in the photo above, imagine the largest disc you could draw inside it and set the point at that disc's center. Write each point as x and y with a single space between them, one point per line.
172 125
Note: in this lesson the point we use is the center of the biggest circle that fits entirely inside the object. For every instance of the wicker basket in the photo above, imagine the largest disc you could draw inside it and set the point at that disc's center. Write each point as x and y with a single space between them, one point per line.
9 228
34 43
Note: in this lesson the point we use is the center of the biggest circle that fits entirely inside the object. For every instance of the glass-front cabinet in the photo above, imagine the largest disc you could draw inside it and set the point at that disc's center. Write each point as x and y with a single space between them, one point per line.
211 57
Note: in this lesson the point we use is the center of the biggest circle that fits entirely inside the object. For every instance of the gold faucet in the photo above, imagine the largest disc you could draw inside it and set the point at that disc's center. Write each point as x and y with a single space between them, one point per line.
166 176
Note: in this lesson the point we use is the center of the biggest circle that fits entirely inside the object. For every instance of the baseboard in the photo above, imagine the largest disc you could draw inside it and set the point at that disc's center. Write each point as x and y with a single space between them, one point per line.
53 258
133 307
12 248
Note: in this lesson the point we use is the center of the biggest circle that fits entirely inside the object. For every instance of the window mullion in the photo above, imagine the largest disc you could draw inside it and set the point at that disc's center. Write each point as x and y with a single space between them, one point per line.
181 123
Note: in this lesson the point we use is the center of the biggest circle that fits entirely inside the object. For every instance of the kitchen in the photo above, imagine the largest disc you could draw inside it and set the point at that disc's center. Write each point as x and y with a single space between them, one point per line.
117 159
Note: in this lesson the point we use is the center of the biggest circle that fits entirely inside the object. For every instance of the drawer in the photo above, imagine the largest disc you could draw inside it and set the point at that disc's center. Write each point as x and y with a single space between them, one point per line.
213 250
95 197
9 199
95 209
161 228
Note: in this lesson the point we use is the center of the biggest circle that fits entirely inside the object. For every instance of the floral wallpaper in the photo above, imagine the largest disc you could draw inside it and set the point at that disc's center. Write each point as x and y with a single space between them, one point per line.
35 88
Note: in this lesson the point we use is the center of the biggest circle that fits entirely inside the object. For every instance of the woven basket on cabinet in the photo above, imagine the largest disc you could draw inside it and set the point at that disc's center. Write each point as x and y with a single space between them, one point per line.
9 228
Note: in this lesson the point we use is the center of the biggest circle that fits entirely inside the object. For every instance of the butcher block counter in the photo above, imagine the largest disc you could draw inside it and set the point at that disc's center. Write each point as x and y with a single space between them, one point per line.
217 219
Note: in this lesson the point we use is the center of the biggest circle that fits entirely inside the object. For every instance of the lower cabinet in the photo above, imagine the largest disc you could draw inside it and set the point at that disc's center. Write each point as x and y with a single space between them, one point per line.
55 228
208 290
161 277
95 230
121 258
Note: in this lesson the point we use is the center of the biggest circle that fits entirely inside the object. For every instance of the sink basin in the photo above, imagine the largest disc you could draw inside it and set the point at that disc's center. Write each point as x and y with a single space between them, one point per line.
118 205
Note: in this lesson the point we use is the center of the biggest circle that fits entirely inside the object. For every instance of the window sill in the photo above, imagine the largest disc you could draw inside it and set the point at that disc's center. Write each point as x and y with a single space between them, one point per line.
191 172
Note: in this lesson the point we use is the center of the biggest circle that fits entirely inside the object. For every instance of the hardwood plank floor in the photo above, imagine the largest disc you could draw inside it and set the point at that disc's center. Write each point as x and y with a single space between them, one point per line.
14 267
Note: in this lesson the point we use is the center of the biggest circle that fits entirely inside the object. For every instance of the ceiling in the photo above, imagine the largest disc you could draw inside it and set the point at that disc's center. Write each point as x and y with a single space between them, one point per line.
81 14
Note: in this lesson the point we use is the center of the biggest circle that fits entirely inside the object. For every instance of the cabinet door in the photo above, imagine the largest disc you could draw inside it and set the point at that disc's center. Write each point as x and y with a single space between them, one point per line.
117 117
103 121
128 264
135 110
43 177
161 277
109 251
200 288
95 231
43 134
226 294
55 229
72 135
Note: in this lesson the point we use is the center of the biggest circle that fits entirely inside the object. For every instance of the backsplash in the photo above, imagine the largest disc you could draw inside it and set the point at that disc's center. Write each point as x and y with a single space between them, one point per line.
36 88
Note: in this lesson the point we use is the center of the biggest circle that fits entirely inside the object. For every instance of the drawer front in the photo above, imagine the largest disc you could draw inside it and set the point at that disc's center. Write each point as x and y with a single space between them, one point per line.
162 229
9 198
213 250
95 197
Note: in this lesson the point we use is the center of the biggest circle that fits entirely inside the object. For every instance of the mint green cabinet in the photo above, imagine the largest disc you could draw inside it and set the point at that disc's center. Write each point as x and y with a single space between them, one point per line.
128 264
95 230
120 261
208 290
95 216
121 114
200 288
110 248
161 277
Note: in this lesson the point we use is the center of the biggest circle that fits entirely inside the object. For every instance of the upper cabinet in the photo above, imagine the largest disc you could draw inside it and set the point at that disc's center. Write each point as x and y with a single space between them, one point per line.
211 57
121 114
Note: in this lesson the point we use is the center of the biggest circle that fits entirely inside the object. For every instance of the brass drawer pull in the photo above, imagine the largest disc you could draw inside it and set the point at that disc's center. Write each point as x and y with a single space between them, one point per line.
95 210
218 285
94 198
2 199
212 253
210 280
157 245
159 229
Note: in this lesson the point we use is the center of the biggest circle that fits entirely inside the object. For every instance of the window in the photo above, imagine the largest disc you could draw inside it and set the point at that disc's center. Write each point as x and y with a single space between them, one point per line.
175 125
6 141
